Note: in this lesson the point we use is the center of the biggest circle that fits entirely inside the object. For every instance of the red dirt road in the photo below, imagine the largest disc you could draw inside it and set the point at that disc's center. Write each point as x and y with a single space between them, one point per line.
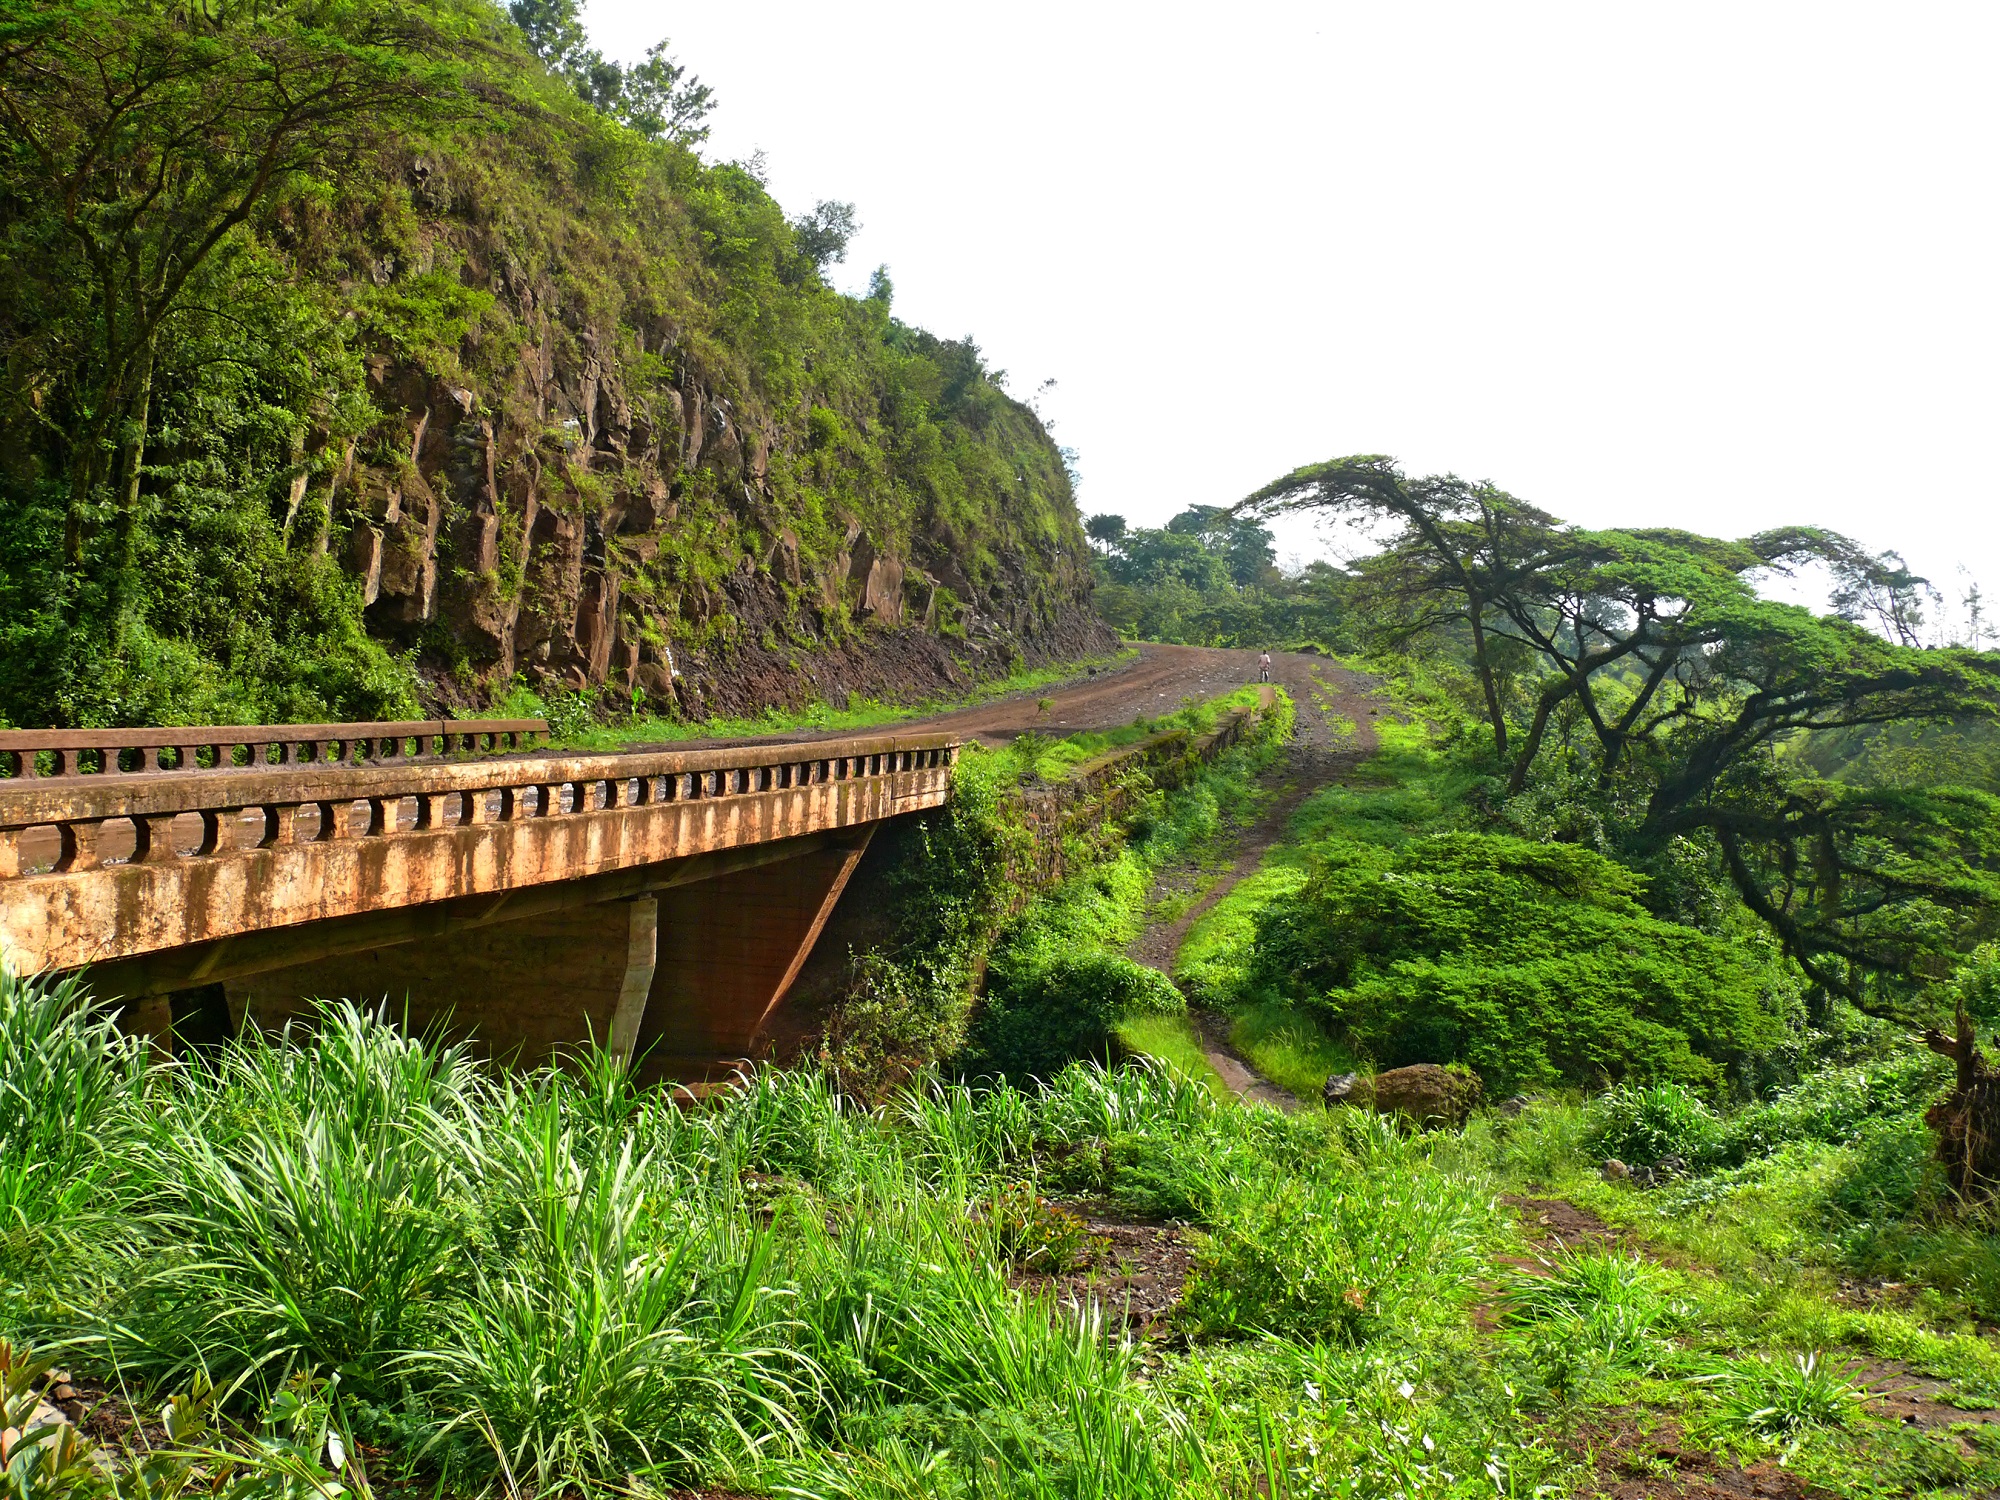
1153 684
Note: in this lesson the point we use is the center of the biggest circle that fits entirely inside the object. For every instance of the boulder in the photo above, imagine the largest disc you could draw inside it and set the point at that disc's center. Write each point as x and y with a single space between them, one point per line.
1427 1095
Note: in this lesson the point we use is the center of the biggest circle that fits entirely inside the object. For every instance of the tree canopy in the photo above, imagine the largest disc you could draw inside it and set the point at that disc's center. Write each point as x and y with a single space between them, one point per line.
1643 666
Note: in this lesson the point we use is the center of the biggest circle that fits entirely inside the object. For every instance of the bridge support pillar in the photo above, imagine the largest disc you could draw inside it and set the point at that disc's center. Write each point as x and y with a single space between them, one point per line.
729 949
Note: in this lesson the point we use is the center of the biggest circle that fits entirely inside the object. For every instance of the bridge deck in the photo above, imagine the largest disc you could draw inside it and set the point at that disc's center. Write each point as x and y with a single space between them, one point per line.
169 866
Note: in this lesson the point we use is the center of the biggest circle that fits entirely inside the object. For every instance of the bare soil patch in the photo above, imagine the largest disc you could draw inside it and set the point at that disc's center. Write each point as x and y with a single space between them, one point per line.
1560 1224
1642 1456
1137 1270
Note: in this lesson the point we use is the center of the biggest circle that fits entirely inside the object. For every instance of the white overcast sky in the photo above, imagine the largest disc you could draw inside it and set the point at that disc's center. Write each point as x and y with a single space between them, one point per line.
1720 266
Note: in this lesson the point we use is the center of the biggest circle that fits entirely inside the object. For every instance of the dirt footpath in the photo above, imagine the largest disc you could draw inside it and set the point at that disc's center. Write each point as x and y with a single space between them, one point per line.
1333 734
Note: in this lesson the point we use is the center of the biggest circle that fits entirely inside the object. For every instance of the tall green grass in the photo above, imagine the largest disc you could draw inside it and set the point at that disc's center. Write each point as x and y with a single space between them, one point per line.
69 1087
528 1284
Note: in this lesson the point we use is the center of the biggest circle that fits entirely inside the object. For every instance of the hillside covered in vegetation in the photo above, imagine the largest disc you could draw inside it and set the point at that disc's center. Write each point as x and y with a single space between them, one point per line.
369 355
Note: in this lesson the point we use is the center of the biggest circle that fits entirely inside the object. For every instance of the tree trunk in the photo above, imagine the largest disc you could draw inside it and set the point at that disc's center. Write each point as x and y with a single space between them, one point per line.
1967 1123
1526 760
131 458
1485 667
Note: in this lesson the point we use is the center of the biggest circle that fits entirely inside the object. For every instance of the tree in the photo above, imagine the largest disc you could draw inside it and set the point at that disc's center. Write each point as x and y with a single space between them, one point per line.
144 139
1678 693
1105 530
1454 548
1245 545
663 102
658 98
822 235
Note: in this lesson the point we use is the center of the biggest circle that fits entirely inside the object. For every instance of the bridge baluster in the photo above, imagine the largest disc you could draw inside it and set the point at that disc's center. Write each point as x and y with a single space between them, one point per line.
10 852
211 830
153 839
76 846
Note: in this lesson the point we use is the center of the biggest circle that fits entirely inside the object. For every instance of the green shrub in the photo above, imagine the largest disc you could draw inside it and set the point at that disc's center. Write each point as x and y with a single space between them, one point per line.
1036 1022
1643 1126
1893 1161
1334 1253
1532 963
1833 1105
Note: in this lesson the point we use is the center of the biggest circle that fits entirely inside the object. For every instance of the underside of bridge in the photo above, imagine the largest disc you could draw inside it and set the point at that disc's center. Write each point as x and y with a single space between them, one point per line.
680 980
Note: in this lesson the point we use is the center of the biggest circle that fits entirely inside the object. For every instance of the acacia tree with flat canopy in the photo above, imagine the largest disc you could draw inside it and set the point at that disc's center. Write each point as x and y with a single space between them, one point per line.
1659 674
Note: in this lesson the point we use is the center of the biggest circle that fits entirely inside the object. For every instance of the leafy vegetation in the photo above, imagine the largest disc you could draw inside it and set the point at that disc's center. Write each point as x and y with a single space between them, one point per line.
408 1269
1657 689
363 354
1048 973
1209 578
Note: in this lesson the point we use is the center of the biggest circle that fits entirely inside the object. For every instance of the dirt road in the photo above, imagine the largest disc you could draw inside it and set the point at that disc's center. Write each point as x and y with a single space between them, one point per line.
1153 684
1334 733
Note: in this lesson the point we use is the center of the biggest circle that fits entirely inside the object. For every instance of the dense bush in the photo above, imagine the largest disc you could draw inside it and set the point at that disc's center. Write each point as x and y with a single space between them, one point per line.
1644 1126
1835 1107
1532 963
1038 1018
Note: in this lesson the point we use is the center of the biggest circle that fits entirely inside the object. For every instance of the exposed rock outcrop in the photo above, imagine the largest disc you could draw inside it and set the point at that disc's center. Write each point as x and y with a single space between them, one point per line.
588 498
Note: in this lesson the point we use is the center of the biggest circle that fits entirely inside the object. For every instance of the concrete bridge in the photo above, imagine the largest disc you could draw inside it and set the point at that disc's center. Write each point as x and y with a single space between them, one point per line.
662 901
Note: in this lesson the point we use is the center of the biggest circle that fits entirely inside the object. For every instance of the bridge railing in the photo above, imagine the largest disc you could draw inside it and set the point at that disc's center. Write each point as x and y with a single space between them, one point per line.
62 825
32 754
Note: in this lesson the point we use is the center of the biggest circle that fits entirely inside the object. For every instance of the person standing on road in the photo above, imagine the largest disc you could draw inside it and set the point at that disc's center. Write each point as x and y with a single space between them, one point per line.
1263 666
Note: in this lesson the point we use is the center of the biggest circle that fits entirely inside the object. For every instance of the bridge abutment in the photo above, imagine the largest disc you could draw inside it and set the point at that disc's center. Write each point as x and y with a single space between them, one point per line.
729 951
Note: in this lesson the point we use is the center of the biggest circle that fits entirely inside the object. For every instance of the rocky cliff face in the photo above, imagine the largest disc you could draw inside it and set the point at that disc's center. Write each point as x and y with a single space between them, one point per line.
486 390
593 490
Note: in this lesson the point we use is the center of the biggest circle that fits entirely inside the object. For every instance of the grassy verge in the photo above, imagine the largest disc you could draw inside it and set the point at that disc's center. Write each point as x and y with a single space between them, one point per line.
539 1282
1172 1042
